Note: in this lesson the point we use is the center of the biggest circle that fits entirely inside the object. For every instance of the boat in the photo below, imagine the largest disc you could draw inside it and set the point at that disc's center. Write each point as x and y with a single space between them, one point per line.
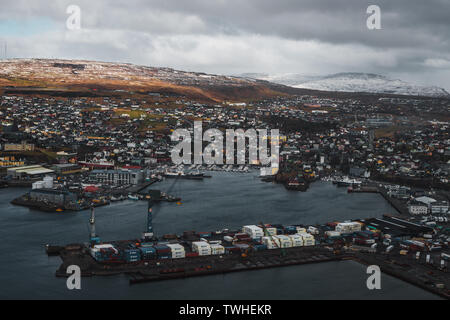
131 197
173 174
347 182
193 175
115 199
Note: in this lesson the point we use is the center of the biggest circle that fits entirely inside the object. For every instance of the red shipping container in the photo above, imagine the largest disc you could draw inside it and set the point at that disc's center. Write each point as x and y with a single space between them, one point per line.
192 254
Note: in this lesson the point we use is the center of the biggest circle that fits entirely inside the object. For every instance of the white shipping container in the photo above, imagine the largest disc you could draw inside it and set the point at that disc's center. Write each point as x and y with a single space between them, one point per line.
175 247
297 241
177 251
301 230
217 249
272 231
202 248
99 247
308 239
332 234
285 241
348 227
273 243
254 232
313 230
228 239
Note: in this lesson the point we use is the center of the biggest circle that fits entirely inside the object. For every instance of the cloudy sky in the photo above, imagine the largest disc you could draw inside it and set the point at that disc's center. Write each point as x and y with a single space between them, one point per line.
312 37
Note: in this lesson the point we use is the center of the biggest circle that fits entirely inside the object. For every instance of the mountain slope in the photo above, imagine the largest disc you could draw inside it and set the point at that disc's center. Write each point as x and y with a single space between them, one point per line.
98 76
356 82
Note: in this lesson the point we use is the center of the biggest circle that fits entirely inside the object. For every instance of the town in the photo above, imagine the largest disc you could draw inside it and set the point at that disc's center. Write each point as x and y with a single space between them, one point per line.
76 151
95 144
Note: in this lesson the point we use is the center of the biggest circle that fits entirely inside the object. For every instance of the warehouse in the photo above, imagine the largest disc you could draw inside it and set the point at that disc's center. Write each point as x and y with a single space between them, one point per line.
55 197
29 172
398 227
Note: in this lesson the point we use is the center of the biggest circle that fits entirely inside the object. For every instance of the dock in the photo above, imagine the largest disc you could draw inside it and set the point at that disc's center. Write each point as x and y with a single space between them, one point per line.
398 205
166 269
404 268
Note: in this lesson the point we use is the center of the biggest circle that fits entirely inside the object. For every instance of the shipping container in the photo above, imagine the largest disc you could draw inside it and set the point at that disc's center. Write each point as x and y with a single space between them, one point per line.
202 248
284 241
254 232
259 247
348 227
231 250
205 235
177 251
308 239
297 240
217 249
148 253
191 254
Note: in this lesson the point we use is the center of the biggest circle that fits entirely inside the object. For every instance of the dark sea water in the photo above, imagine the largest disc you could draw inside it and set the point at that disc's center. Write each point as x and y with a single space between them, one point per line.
228 200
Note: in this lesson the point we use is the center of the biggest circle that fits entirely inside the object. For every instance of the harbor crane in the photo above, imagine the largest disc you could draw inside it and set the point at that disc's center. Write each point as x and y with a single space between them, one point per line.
149 234
93 238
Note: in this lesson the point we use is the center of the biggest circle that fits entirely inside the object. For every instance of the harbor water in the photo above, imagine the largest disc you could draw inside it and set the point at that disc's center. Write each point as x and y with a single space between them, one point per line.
228 200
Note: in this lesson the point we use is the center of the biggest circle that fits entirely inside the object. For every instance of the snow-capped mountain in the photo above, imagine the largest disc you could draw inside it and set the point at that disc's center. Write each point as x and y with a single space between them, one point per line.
353 82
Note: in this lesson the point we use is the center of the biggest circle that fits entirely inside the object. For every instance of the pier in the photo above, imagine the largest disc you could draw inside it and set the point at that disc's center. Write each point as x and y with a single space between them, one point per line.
404 268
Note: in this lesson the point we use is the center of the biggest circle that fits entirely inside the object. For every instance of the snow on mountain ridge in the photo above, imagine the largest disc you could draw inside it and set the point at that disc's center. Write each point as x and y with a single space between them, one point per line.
356 82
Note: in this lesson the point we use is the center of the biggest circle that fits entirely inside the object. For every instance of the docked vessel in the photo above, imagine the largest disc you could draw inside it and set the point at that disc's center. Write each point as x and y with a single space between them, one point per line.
194 175
347 182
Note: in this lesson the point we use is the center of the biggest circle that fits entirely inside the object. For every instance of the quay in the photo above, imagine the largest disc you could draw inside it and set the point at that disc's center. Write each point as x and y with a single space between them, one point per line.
409 270
398 205
395 265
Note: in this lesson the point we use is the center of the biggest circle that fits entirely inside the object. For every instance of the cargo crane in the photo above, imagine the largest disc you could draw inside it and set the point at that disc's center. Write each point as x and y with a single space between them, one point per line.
149 235
93 238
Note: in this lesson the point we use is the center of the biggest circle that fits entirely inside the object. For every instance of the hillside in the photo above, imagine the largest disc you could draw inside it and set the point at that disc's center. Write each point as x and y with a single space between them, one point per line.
89 76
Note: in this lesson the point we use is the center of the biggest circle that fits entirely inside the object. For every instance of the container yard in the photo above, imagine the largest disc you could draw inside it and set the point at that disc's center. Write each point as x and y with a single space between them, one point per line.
409 251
